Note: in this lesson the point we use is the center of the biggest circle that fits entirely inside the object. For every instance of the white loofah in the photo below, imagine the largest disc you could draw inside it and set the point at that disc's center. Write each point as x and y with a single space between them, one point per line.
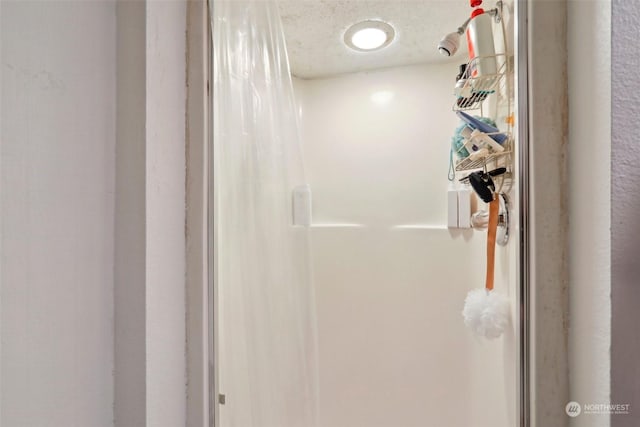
486 312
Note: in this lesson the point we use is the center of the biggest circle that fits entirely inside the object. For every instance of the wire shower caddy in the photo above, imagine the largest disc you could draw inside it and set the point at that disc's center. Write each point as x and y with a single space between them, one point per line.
481 91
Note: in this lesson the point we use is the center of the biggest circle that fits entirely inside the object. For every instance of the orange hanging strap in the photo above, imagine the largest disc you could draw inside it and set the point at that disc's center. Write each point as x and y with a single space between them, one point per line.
494 209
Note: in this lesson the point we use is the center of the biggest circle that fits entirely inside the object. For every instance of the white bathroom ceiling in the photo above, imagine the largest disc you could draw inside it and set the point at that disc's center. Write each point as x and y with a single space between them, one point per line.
314 32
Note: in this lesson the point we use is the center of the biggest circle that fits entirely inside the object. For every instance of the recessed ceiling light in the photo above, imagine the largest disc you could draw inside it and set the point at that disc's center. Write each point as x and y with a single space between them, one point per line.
367 36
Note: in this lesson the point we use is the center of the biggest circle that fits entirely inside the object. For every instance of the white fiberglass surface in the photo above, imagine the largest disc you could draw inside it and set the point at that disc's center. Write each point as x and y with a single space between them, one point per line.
390 288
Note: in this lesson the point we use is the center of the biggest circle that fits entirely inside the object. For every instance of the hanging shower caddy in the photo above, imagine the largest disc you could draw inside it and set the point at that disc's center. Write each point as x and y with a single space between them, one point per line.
489 95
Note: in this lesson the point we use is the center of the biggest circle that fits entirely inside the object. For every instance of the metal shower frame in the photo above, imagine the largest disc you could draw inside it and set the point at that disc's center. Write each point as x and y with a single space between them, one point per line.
524 266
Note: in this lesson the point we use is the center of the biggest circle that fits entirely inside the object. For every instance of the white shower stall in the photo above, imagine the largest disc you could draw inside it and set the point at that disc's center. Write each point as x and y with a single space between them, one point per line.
379 333
390 278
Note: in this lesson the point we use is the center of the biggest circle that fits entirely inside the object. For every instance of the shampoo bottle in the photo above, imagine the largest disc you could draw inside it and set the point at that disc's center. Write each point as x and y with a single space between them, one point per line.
452 206
480 44
464 207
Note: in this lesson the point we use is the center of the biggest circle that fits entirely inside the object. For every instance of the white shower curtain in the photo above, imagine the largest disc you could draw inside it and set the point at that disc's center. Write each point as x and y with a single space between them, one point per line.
267 337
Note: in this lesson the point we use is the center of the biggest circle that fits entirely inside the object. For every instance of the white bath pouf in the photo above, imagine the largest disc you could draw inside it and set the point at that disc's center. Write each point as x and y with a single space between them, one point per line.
486 312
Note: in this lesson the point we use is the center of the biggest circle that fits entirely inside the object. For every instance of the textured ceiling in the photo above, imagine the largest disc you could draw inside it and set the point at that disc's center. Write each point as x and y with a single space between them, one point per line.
314 33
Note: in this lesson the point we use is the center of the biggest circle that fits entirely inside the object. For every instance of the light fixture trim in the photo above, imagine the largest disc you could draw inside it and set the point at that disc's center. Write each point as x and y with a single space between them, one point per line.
375 29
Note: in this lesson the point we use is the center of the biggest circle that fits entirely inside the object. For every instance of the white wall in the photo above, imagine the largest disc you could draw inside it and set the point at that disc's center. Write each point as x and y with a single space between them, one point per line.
150 364
376 145
72 252
165 220
57 186
589 31
625 203
393 346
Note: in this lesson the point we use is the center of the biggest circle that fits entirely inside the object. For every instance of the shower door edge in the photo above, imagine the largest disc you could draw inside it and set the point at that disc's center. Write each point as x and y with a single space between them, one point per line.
196 228
211 233
523 288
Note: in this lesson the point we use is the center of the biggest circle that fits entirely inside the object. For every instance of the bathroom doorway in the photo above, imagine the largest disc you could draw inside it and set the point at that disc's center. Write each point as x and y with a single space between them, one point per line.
339 268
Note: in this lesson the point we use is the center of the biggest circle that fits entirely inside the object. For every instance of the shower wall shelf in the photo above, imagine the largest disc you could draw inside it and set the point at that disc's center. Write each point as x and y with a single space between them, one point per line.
419 227
468 163
336 225
502 182
487 89
473 91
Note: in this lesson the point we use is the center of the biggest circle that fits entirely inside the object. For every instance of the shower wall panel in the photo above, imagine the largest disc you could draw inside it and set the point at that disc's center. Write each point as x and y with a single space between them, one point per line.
390 277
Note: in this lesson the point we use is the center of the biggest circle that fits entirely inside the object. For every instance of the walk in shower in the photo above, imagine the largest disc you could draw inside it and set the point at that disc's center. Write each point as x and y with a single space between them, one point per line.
340 263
